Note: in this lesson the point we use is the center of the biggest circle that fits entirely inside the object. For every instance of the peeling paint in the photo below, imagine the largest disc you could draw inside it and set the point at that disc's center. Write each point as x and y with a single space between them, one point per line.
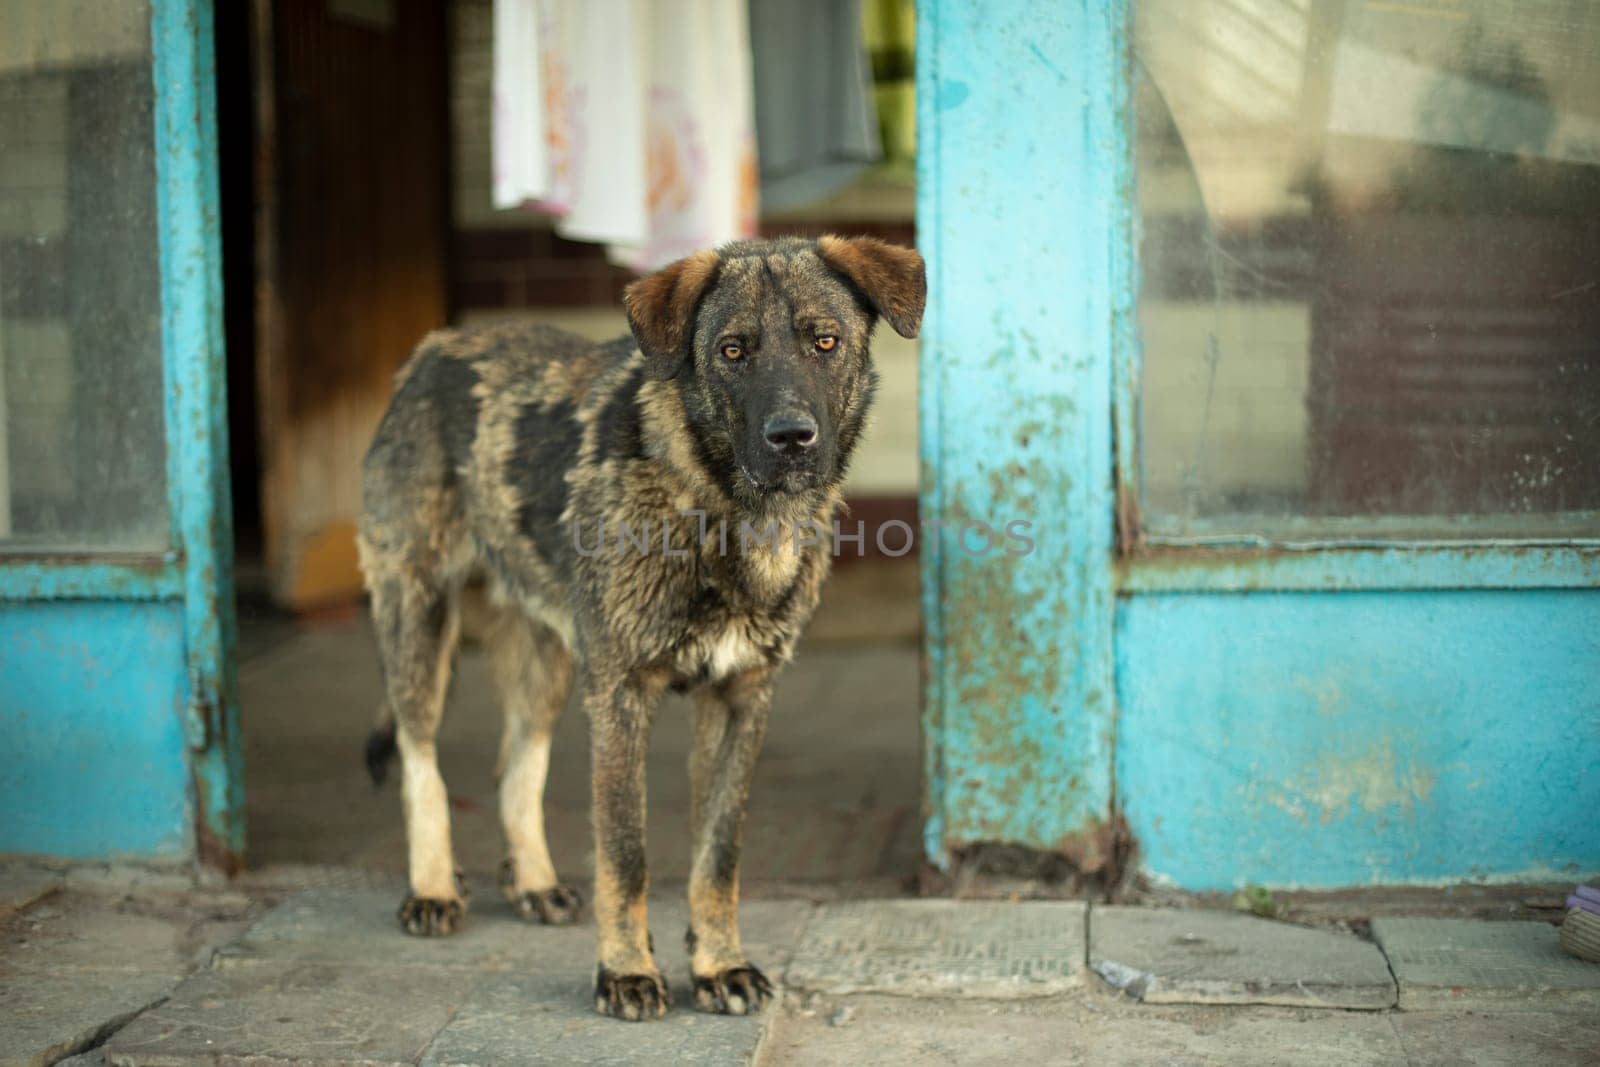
1016 405
1373 780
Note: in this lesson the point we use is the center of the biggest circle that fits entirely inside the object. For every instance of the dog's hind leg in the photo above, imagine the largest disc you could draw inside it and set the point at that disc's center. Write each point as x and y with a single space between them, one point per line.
416 617
730 720
533 672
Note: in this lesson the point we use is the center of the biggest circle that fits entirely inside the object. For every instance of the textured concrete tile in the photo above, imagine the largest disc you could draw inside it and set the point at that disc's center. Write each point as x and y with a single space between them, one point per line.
71 933
358 928
44 1016
1462 963
1173 956
22 885
543 1011
942 947
328 977
549 1018
281 1011
72 969
905 1032
1514 1039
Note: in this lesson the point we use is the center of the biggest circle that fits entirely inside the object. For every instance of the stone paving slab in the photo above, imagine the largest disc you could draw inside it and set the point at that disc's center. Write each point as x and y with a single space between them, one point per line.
44 1017
545 1015
1185 956
1088 1030
73 969
942 948
286 1011
1515 1039
1463 963
358 927
548 1018
77 934
328 977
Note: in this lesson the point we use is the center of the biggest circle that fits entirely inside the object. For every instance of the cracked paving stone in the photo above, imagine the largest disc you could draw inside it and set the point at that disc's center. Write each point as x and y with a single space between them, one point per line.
44 1017
1465 963
942 947
328 977
73 969
1184 956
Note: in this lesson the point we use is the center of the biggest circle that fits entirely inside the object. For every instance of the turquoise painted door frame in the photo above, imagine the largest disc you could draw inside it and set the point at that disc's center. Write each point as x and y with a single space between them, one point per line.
1313 716
1022 213
117 698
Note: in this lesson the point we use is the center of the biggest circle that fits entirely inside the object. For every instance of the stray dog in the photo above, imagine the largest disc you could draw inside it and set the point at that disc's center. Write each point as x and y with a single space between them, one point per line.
721 428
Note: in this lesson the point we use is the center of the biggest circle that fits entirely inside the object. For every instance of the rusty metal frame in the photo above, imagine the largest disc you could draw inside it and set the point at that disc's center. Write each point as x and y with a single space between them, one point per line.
189 211
168 612
1022 212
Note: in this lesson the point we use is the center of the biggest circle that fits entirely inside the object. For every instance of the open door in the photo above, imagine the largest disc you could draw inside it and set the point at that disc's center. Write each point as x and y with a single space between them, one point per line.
117 708
352 228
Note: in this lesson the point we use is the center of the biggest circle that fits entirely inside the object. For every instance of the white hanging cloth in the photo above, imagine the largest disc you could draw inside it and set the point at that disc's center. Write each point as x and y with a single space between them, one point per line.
645 124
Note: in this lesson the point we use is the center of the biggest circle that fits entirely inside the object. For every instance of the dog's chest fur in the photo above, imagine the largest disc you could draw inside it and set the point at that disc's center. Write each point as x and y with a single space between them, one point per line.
584 502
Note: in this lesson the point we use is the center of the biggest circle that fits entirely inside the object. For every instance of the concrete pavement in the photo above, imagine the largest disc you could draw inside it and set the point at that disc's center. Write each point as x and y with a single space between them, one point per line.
166 974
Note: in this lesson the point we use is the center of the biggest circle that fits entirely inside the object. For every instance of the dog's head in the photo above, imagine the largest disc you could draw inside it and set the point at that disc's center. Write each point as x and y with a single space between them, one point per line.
768 344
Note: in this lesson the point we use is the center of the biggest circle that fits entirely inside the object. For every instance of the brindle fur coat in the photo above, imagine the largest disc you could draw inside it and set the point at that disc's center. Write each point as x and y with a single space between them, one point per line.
511 452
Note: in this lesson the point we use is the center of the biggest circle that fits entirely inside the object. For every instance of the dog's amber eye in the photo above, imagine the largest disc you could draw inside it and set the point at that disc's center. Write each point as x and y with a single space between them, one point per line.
733 351
827 343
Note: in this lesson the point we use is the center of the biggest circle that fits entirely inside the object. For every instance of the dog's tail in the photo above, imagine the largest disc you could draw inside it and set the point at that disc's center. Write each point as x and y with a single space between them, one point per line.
381 747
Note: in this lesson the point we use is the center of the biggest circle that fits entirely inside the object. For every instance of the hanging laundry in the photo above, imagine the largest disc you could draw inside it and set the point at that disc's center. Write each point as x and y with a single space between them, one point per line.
645 118
700 132
521 162
815 122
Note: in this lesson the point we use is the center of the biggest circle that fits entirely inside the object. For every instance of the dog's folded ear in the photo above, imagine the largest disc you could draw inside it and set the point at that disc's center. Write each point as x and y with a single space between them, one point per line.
661 309
891 277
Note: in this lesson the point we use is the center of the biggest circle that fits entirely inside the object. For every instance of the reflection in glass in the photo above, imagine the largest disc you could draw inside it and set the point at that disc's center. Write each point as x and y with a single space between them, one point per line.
82 452
1371 253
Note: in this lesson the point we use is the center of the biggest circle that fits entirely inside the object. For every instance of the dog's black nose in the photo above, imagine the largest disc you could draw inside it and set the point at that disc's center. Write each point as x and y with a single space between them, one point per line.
790 432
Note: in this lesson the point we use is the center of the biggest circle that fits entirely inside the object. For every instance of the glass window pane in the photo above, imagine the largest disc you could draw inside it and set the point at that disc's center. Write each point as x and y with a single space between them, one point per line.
82 448
1371 256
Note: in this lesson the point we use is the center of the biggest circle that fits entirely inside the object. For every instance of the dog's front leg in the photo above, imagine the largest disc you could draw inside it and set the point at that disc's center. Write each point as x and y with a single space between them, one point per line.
730 720
628 984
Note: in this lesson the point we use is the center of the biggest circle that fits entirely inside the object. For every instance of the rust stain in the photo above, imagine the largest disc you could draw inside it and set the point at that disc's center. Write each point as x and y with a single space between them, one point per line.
1130 522
1104 851
210 850
1097 862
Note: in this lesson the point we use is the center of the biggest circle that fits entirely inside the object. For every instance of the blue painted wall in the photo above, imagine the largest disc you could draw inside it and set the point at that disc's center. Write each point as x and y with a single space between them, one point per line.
92 697
1341 739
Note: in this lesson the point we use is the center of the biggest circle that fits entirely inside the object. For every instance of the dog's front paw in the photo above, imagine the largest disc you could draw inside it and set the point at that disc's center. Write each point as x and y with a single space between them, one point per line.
633 997
428 917
735 991
560 906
